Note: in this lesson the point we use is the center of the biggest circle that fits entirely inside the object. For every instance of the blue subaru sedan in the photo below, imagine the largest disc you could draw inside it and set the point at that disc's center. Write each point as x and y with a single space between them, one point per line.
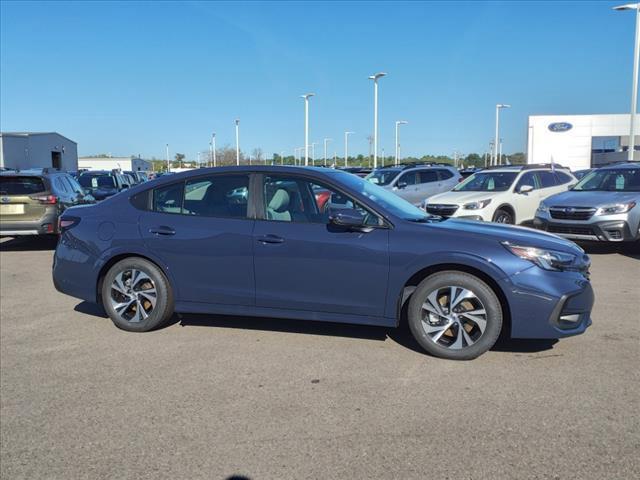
318 244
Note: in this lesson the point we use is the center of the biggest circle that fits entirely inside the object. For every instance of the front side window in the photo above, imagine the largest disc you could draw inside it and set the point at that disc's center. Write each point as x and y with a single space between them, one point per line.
222 196
295 199
410 178
529 178
492 181
383 176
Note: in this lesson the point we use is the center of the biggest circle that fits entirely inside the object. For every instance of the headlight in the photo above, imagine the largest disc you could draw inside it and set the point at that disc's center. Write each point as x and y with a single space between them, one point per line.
476 205
545 259
618 208
542 208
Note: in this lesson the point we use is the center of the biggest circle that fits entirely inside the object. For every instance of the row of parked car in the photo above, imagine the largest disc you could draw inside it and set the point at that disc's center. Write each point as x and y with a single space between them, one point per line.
600 206
31 201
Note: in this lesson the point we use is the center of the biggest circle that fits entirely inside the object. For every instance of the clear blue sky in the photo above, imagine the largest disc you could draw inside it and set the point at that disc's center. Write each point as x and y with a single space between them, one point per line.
127 78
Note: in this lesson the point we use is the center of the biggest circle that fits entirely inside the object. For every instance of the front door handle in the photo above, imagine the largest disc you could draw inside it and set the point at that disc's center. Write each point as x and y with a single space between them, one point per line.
162 230
270 239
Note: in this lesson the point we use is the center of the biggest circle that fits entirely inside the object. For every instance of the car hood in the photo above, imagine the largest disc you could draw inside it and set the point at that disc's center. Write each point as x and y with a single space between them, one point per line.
515 235
574 198
461 197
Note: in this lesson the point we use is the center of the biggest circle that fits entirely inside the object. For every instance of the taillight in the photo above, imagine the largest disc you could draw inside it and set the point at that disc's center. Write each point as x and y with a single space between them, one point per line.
67 223
46 199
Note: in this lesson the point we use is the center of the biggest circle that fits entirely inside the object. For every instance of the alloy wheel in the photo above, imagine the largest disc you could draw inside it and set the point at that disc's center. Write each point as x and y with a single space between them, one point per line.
453 317
133 295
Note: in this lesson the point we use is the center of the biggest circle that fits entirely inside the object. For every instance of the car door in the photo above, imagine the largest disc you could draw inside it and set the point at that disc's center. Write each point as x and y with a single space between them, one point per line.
302 262
407 188
428 185
446 180
526 203
548 184
200 228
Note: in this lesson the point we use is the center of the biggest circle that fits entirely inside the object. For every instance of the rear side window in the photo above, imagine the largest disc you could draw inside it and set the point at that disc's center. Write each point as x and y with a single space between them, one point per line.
168 199
61 185
445 174
563 178
222 196
21 185
547 179
428 176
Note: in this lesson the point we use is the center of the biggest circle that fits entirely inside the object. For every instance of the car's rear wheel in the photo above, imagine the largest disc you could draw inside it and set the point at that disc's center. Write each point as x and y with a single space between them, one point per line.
455 315
503 216
136 295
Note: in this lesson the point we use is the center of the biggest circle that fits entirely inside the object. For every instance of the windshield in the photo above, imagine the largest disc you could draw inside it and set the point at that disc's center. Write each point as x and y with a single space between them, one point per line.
382 176
610 180
388 200
487 182
96 181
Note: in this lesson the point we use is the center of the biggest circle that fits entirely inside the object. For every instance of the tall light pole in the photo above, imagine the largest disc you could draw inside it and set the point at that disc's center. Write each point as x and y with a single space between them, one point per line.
168 163
346 147
398 123
375 78
213 147
500 153
313 153
306 97
499 106
237 142
325 150
491 152
634 86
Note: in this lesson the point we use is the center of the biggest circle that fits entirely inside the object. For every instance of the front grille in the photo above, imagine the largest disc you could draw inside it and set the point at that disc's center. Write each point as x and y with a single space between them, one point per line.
441 209
570 230
572 213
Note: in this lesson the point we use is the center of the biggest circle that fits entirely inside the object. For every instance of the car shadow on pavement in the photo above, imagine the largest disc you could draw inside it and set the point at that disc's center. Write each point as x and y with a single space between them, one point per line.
92 309
28 243
631 250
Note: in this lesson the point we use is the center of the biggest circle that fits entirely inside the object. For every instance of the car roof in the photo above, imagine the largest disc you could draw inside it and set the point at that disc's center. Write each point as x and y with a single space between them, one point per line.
615 166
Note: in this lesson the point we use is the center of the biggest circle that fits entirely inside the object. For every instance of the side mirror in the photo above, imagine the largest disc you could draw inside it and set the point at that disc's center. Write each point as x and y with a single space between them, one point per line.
525 189
346 217
401 185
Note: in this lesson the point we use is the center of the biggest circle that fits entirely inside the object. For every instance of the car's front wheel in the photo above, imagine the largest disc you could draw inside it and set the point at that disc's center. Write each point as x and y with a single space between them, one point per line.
455 315
503 216
136 295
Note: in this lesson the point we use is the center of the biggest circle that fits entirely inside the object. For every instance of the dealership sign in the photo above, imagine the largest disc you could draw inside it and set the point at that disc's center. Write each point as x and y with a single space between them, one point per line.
560 127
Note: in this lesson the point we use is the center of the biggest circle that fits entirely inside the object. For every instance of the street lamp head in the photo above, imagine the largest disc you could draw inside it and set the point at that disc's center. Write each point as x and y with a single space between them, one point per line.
503 105
401 122
237 121
628 6
307 95
377 75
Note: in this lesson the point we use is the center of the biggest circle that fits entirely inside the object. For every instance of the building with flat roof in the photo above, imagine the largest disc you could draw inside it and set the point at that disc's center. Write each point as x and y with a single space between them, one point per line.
126 164
23 150
580 141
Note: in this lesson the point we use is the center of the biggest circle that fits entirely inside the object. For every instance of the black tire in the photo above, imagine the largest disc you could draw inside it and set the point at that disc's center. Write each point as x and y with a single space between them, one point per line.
158 315
503 215
483 294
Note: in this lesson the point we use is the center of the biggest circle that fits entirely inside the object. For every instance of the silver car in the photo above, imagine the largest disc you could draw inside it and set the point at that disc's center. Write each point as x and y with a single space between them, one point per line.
603 206
415 182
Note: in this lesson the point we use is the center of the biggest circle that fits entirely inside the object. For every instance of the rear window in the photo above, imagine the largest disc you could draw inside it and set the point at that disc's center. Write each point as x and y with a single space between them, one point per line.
21 185
97 181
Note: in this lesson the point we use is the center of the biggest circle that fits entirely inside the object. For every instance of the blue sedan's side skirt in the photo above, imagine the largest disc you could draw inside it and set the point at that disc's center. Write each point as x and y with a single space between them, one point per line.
251 311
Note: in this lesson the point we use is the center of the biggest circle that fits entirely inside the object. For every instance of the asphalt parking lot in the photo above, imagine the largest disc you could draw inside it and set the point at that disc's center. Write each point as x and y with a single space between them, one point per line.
212 397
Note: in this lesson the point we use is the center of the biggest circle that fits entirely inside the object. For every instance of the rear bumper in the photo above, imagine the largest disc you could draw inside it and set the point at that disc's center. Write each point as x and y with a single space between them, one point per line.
549 304
46 225
604 231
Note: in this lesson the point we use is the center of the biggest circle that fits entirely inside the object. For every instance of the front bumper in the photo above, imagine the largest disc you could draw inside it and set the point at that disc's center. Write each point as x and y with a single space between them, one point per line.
547 304
603 231
46 225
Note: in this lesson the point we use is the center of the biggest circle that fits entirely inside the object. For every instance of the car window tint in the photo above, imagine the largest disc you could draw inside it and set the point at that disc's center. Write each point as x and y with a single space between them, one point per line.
529 178
68 184
547 179
562 178
75 185
223 196
445 174
428 176
168 199
60 186
410 178
21 185
294 199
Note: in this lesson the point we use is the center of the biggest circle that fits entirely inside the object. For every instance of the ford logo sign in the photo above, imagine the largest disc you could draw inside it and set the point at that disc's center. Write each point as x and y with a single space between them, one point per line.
560 127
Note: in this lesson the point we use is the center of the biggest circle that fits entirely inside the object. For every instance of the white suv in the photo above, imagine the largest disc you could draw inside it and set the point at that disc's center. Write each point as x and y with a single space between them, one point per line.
416 181
507 194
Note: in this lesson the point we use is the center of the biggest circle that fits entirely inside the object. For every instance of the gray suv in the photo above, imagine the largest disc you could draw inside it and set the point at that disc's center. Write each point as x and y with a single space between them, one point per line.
603 206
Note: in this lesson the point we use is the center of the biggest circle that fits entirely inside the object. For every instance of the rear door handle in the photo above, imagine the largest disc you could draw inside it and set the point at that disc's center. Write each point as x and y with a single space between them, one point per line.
270 239
162 230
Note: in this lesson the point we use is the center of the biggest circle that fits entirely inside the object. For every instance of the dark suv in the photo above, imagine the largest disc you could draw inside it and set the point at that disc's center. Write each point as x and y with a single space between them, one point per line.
32 200
103 184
